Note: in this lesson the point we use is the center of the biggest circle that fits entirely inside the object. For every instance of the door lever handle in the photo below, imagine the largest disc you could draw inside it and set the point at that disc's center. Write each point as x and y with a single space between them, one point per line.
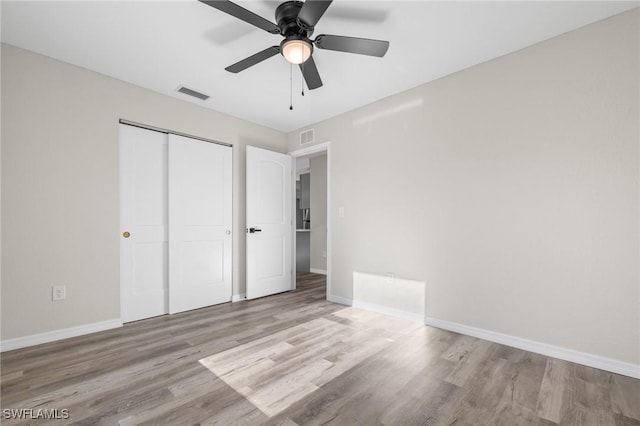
254 230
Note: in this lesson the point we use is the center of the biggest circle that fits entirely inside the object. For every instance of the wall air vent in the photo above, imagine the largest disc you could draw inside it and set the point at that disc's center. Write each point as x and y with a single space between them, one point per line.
193 93
306 137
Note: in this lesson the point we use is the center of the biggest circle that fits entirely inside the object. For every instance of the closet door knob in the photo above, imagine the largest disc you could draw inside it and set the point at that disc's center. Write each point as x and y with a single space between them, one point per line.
126 234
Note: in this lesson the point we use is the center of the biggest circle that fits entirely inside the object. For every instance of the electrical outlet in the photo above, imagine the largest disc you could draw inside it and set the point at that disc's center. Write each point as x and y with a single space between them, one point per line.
59 292
390 277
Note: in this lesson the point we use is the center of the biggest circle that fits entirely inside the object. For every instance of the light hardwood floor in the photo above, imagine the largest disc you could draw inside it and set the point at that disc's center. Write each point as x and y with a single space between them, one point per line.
296 359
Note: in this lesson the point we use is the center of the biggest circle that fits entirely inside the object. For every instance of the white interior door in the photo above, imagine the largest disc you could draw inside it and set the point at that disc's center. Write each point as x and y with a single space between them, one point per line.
269 223
143 223
200 207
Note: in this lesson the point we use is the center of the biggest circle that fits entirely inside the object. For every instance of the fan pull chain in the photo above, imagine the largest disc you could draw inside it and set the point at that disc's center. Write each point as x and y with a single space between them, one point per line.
290 87
302 79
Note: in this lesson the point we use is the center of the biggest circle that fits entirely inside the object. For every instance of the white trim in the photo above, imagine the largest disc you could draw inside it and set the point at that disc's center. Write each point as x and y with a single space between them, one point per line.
55 335
313 149
301 172
388 311
317 271
294 223
339 300
590 360
239 297
329 221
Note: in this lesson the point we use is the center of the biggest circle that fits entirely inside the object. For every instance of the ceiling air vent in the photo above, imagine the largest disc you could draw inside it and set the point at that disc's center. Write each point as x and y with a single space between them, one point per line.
306 137
193 93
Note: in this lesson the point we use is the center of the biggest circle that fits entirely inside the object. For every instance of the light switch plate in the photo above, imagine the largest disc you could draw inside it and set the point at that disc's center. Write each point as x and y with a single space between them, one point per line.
59 292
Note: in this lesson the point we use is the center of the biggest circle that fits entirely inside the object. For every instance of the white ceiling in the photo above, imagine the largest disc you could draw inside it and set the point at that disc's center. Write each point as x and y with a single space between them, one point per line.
160 45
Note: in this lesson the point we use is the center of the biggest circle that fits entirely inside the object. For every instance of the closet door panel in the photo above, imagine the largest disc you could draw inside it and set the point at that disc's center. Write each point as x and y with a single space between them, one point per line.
200 208
143 223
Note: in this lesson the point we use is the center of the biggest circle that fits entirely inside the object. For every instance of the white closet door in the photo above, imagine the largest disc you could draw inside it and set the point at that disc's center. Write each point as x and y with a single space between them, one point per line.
199 223
143 223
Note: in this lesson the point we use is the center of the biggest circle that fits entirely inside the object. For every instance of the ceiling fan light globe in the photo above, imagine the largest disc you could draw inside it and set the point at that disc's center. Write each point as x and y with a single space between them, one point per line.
296 51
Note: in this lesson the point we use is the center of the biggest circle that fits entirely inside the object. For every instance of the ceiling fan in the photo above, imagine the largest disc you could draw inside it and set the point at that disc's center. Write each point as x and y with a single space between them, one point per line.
296 22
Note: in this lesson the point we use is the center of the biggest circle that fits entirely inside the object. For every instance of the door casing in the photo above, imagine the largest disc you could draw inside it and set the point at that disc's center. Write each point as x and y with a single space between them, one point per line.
316 149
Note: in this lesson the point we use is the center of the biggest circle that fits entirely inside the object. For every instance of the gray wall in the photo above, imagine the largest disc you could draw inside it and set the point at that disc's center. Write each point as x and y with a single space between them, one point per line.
60 186
318 242
303 259
510 188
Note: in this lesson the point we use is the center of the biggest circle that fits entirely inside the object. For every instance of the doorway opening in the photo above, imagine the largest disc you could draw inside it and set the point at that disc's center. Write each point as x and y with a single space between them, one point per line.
311 203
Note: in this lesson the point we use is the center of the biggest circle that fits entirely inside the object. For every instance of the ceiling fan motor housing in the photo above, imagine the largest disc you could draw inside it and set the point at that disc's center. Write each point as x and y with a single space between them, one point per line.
287 19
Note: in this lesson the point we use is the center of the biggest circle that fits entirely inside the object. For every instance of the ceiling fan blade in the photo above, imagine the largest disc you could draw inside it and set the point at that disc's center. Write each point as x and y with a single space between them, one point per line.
243 14
311 12
253 59
362 46
310 74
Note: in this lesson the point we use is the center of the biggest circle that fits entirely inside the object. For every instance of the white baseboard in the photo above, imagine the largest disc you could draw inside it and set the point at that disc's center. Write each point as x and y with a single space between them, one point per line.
388 311
52 336
318 271
339 300
238 297
590 360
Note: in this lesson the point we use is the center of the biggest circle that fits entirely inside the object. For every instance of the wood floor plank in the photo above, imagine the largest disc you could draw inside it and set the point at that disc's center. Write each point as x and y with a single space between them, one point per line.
484 397
240 413
470 361
552 389
622 420
523 391
625 396
433 406
276 396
